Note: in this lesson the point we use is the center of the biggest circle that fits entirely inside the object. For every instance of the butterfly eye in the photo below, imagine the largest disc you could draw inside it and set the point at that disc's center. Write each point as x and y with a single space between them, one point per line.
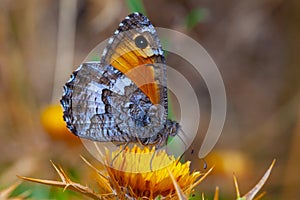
141 42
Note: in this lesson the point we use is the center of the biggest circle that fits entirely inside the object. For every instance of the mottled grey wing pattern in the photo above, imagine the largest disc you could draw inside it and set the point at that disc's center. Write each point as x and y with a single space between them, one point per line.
86 101
102 104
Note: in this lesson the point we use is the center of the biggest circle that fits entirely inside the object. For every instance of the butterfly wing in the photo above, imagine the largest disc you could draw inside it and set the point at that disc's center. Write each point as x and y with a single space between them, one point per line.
135 50
86 104
114 100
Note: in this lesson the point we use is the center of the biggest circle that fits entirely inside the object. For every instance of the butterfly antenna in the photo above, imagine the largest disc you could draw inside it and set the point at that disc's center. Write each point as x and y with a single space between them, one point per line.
180 157
123 148
151 161
183 133
185 145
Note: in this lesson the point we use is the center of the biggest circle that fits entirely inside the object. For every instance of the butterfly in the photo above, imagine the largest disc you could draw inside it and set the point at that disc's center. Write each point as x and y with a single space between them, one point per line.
122 97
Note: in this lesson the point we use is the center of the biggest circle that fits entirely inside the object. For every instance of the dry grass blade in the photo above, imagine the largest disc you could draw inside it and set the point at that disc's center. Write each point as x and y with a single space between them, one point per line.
66 183
260 195
201 179
251 194
102 179
115 184
70 185
236 185
179 192
4 194
94 168
216 197
63 176
190 188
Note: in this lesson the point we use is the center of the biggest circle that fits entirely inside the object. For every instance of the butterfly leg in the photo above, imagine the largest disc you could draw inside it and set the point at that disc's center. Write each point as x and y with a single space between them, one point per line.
151 161
123 148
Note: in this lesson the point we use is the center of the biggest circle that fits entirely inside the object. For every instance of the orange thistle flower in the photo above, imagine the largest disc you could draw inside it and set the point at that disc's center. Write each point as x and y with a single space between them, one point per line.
128 175
146 173
121 178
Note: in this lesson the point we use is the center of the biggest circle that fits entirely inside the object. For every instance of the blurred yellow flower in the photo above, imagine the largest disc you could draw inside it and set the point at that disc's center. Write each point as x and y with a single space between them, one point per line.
54 125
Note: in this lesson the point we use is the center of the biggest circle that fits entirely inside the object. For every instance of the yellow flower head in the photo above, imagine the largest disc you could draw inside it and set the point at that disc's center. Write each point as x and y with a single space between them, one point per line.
136 174
121 179
146 173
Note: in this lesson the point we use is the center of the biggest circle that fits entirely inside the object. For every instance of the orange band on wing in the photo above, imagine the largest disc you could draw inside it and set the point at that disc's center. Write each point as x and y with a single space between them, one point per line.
135 67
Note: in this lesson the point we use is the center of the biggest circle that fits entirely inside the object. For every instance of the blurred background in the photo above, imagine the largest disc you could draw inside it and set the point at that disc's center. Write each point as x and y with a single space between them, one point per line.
255 45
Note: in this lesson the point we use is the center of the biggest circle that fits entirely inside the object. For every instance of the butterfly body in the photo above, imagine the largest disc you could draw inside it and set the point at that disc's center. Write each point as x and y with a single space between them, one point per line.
122 98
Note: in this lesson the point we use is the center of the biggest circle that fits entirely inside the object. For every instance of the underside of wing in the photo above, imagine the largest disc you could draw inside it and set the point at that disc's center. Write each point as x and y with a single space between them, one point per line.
122 98
102 104
85 107
135 50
